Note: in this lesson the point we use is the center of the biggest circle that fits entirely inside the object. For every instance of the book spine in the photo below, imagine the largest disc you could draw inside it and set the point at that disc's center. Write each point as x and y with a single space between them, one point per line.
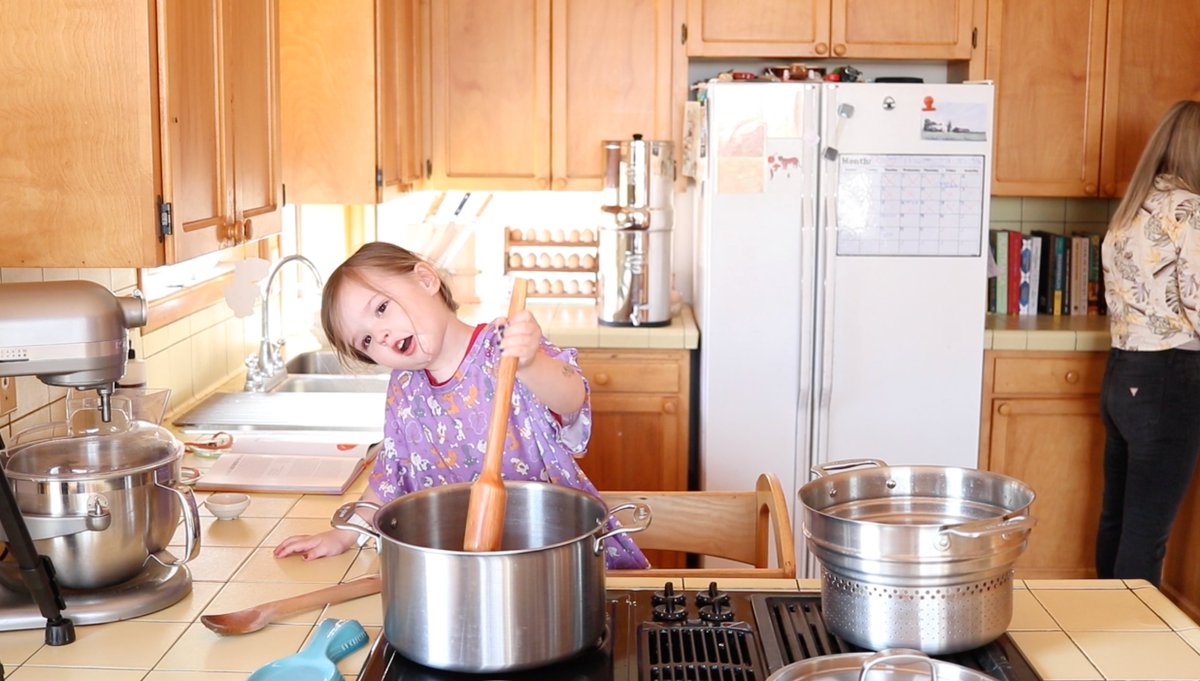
1014 272
1095 292
1027 305
1000 240
1060 275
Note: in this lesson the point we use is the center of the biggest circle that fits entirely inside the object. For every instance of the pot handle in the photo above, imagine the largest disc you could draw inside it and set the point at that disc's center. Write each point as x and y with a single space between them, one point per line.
191 524
977 529
188 475
896 656
344 518
642 515
820 471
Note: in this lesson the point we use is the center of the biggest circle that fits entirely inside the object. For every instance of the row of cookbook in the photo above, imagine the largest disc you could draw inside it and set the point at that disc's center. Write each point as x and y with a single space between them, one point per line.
1046 273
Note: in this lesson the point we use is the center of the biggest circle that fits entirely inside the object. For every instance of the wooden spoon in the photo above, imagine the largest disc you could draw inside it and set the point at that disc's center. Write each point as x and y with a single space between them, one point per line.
485 508
259 616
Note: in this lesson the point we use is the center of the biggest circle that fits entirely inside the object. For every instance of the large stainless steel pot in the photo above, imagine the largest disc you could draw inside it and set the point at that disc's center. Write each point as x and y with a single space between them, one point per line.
538 600
895 664
101 504
915 556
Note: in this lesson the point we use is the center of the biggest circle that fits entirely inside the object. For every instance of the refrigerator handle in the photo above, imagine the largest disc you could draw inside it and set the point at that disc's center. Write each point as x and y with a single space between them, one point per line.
826 312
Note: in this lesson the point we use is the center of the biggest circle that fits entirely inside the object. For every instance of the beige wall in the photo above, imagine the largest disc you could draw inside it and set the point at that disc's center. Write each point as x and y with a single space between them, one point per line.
191 356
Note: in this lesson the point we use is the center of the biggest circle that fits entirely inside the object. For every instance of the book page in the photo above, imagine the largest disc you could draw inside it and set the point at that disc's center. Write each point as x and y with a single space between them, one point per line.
267 472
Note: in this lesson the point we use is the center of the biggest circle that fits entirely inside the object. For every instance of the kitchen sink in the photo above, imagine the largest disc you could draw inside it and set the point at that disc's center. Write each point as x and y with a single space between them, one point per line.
326 362
333 383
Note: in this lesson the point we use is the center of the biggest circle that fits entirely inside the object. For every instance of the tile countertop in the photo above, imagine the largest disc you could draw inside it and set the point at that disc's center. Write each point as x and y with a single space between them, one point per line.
1045 332
1077 630
574 325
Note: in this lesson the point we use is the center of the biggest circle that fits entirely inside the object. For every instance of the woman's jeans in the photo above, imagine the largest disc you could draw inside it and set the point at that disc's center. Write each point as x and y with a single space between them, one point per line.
1150 403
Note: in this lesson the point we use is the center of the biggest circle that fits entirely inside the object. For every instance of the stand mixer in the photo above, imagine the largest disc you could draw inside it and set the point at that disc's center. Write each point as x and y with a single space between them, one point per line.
69 334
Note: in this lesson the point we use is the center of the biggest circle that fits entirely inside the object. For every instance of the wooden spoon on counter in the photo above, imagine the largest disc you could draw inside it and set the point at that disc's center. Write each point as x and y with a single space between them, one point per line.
259 616
485 508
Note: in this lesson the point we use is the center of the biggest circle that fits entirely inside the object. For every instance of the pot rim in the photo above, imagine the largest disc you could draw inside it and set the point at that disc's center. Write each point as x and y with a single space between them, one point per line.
174 455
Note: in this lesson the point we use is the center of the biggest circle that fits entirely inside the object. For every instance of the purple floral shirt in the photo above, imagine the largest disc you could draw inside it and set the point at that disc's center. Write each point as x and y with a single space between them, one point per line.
436 434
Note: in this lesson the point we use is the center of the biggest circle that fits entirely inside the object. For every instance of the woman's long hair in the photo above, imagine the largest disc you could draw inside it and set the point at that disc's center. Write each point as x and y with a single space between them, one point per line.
1173 149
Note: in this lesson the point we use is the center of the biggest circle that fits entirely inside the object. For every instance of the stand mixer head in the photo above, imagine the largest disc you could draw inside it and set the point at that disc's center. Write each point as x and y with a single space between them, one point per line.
71 334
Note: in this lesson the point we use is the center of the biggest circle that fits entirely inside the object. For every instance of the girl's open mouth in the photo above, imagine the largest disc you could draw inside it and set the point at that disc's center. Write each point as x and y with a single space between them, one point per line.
406 345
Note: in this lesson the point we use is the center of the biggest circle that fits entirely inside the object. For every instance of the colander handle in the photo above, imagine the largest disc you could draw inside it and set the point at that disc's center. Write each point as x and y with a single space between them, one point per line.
977 529
895 656
820 471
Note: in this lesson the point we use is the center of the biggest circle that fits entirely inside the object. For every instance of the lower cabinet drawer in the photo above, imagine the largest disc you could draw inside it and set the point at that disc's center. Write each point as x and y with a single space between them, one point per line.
1077 373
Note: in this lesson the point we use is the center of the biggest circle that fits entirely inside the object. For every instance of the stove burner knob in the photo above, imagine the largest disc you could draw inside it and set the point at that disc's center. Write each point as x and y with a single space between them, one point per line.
716 612
713 596
668 595
669 612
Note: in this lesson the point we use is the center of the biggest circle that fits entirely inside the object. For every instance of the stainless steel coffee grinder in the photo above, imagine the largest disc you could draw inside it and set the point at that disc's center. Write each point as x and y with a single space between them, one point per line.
634 249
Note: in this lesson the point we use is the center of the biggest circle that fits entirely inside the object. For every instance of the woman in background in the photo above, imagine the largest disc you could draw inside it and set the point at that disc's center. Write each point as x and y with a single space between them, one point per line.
1150 398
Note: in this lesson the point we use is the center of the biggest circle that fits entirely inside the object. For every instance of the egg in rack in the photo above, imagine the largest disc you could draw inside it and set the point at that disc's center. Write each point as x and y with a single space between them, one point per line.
561 263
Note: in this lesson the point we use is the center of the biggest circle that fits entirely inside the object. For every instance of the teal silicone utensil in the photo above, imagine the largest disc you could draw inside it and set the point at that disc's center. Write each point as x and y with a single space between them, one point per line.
333 640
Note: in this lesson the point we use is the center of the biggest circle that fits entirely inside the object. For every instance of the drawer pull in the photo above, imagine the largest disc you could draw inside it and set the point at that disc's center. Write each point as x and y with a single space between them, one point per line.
1072 377
601 378
1003 409
668 406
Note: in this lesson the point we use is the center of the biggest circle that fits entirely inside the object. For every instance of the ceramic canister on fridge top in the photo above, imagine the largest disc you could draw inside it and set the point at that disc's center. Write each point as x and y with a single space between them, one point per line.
634 258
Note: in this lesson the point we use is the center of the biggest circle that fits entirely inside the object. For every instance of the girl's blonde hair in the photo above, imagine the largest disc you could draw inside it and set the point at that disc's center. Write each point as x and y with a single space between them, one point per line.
1173 149
379 257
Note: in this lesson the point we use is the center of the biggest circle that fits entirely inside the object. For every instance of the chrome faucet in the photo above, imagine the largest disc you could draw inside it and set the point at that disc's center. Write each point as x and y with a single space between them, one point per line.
265 369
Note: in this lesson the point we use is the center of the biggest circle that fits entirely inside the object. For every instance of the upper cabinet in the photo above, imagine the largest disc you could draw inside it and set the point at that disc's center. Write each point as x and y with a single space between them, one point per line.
350 75
1080 85
137 132
860 29
523 92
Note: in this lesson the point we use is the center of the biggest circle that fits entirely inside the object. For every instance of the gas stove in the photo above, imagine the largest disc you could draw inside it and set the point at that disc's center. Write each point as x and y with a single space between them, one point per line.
670 634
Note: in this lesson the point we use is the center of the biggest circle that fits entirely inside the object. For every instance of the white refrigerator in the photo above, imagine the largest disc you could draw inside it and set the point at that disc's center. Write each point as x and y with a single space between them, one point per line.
841 271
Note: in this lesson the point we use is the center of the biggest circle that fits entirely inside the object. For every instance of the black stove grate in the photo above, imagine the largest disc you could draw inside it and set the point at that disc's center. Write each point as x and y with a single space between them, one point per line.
698 652
792 628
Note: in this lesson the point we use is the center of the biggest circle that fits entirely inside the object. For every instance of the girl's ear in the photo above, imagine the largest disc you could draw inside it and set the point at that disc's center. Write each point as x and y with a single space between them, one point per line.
427 277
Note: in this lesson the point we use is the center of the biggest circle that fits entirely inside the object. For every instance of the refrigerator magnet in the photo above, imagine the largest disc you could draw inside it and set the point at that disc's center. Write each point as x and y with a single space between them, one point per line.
954 121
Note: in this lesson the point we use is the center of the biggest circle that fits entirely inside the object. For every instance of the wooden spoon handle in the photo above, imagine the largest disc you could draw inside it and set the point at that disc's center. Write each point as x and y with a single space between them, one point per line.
338 593
485 507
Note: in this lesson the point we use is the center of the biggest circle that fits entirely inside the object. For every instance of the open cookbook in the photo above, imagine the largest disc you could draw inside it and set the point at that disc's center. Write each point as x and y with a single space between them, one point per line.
272 464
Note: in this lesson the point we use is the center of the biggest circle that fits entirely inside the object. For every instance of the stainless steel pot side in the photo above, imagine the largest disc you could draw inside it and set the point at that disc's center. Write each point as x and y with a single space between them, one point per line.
538 600
915 556
896 664
132 476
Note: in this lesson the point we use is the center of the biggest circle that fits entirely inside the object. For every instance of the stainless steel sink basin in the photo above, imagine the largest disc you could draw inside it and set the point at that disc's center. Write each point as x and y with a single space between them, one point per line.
333 383
326 362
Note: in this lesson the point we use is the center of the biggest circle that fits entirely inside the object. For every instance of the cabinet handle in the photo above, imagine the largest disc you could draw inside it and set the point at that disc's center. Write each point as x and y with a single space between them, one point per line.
839 49
247 230
601 379
560 183
668 406
1003 409
1110 189
1071 377
1089 189
542 183
821 48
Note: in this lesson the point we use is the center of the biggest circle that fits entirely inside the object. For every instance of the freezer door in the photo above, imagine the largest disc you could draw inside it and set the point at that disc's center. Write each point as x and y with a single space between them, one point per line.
904 196
754 274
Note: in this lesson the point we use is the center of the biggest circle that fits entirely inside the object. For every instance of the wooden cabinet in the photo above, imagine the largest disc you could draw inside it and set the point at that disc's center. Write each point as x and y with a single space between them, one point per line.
1041 424
862 29
351 118
523 92
1181 579
136 132
1074 107
640 421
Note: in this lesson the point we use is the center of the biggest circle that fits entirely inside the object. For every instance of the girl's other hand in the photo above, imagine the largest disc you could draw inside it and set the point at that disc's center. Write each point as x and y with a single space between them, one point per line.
310 546
522 338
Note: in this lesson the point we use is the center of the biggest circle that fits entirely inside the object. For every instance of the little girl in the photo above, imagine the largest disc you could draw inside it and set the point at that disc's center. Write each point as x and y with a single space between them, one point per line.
386 305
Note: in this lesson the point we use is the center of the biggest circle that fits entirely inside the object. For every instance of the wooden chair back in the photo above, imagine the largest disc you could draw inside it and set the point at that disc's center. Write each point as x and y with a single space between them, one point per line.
741 526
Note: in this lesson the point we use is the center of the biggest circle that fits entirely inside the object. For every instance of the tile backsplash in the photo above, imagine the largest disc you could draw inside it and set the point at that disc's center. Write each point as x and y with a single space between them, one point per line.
1059 216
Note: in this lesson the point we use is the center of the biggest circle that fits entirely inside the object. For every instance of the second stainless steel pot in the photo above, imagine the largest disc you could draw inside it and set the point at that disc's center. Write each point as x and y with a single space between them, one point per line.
538 600
915 556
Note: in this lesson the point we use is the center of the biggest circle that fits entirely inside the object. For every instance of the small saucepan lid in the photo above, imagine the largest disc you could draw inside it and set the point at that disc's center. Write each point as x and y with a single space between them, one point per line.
893 664
138 447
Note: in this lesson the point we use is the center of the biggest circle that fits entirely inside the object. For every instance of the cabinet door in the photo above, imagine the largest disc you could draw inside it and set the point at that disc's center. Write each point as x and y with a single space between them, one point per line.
635 442
1181 579
327 73
79 178
1047 60
758 28
252 106
911 29
398 116
611 78
1057 447
490 94
197 163
1153 55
